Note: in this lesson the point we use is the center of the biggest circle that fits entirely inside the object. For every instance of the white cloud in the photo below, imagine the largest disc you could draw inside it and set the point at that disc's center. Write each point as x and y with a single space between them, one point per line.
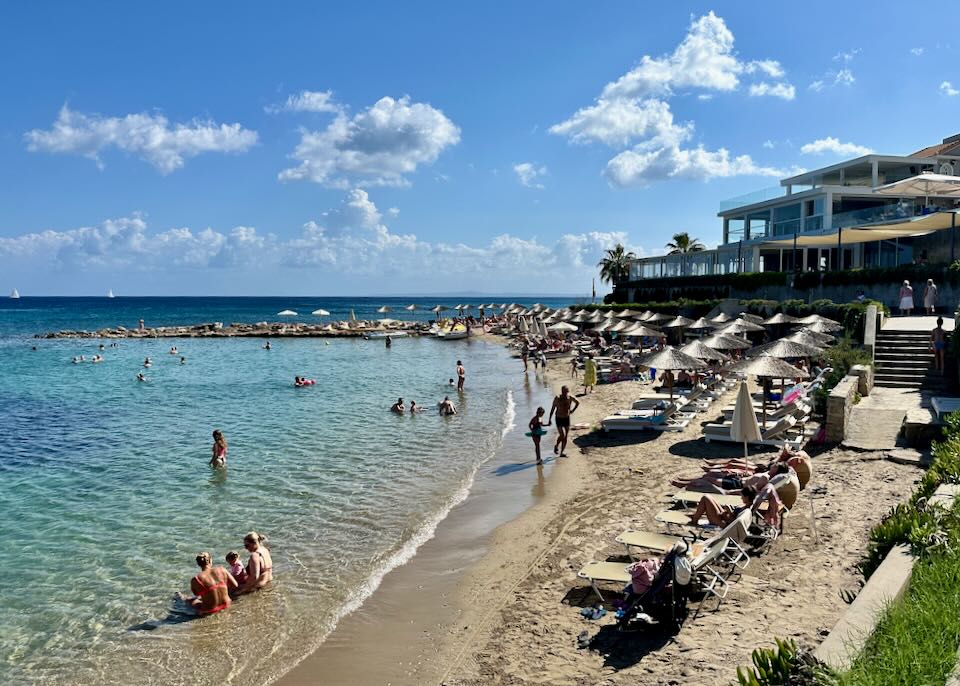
618 123
529 174
633 111
705 96
816 86
947 89
380 146
917 52
769 144
846 56
833 145
351 241
306 101
640 168
844 77
149 136
777 90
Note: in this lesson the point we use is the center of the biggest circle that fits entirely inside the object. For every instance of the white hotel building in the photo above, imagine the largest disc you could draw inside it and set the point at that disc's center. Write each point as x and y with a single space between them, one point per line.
870 211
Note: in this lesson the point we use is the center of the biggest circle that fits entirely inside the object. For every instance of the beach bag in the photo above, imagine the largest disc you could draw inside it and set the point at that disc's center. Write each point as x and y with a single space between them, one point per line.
642 574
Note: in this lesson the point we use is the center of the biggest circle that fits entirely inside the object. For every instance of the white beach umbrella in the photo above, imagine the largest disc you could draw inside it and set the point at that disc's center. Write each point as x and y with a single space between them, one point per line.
320 313
522 325
562 326
744 426
286 313
383 310
410 308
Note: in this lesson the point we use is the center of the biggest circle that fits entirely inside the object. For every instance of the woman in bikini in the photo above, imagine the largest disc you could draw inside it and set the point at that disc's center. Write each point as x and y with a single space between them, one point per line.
211 587
219 456
260 564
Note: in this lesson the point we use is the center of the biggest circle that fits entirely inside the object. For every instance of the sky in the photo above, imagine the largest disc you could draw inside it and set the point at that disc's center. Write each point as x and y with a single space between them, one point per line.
413 148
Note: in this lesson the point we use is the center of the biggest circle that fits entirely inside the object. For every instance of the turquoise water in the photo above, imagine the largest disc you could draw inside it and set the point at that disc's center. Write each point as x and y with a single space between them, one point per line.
107 494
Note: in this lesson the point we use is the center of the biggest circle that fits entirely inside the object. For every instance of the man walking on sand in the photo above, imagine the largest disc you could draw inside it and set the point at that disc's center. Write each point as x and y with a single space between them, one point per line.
461 375
564 405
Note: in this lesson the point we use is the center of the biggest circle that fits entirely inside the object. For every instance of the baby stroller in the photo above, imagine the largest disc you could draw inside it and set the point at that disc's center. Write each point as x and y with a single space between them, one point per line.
664 604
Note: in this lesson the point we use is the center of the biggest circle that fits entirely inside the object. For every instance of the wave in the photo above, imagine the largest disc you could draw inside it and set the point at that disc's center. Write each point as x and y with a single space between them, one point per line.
509 416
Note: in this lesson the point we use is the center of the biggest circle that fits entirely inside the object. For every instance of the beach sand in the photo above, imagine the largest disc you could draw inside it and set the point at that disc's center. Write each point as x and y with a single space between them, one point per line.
476 608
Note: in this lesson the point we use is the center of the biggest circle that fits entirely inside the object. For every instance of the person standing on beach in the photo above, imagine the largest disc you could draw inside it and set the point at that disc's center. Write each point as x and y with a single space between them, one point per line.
574 367
537 431
524 355
219 451
930 294
906 299
589 374
461 375
564 405
389 341
938 343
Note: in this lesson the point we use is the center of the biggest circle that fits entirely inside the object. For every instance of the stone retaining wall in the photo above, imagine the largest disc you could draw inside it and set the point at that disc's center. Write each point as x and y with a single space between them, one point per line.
864 374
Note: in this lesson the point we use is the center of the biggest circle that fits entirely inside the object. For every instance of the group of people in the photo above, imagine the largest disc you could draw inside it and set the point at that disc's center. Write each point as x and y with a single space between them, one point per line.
445 407
564 405
215 586
931 295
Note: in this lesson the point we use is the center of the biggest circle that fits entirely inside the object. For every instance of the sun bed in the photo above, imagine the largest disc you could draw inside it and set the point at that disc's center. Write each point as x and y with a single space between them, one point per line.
604 572
797 407
780 433
662 422
735 532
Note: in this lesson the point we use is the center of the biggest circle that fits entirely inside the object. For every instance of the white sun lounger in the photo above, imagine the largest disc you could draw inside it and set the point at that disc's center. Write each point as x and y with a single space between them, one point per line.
736 531
658 423
781 433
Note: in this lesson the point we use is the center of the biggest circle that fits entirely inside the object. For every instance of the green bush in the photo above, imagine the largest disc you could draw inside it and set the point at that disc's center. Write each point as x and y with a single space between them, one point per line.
916 523
781 666
841 357
880 275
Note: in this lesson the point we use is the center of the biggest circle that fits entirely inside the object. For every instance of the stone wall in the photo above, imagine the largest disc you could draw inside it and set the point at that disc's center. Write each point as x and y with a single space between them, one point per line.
864 374
839 406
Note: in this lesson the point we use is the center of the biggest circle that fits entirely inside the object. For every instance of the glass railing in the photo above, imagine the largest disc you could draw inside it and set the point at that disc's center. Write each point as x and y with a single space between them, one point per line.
771 193
872 215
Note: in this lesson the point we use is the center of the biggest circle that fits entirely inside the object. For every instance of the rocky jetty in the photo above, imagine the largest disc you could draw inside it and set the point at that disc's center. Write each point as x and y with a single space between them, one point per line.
259 330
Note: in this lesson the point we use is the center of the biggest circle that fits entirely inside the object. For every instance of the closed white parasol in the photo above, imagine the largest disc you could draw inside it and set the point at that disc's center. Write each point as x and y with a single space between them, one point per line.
744 426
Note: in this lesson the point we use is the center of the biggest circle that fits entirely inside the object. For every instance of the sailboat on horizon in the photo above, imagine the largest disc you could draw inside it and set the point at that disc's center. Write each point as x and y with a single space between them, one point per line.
15 294
110 293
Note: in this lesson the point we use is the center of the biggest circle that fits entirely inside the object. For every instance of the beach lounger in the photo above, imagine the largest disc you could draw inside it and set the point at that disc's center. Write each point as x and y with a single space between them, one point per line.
736 533
781 433
795 408
630 423
605 572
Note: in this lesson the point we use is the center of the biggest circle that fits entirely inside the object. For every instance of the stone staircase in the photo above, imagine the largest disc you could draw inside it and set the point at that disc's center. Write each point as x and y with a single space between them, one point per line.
904 360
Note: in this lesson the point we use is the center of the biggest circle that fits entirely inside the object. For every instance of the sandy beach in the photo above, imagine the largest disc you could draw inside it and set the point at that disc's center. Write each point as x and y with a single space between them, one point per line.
504 609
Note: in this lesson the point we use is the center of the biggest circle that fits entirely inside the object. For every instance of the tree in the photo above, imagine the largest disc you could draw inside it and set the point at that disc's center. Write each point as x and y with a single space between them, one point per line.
682 243
615 267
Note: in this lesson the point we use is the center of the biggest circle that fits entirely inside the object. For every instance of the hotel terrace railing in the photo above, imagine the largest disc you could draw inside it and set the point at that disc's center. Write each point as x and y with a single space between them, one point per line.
771 193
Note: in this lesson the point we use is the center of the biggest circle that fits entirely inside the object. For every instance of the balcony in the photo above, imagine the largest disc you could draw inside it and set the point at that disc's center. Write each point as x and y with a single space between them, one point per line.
872 215
771 193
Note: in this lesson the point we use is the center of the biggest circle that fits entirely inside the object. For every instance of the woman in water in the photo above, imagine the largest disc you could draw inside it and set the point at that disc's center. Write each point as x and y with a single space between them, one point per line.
219 456
211 587
259 565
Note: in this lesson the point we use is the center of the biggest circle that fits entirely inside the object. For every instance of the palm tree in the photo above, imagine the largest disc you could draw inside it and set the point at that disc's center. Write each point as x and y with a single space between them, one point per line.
683 243
615 267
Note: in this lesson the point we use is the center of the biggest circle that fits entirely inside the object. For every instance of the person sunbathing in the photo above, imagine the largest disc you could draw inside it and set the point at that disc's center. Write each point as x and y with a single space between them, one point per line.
742 466
721 515
731 484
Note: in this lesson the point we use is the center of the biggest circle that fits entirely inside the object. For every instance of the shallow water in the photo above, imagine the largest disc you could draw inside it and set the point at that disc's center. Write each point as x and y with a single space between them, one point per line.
107 494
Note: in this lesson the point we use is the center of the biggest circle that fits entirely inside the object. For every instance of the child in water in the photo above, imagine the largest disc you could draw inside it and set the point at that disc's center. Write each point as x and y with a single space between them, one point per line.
235 568
537 431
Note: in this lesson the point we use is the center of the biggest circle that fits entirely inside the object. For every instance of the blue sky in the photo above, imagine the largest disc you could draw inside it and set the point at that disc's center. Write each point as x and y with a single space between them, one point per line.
233 148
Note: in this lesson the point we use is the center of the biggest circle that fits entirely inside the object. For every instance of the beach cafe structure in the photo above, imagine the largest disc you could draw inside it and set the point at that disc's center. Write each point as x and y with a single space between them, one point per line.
870 211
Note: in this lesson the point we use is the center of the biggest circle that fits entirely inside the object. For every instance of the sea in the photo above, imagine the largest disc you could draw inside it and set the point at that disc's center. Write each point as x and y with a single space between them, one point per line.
107 495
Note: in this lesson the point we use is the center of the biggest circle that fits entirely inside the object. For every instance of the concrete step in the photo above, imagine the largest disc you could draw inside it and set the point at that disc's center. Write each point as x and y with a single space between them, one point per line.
910 360
904 349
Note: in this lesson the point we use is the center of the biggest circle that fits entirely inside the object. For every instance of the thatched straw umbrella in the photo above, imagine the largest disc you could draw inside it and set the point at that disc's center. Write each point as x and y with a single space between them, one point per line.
779 318
696 348
768 367
702 324
720 341
813 318
721 318
817 340
671 359
785 349
823 327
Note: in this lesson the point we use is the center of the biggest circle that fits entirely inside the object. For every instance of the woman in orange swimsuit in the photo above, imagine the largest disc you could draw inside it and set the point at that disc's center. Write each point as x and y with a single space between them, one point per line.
260 564
211 587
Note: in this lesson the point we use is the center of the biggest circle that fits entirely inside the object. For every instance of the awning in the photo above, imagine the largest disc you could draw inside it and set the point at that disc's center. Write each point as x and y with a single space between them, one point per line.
923 185
865 233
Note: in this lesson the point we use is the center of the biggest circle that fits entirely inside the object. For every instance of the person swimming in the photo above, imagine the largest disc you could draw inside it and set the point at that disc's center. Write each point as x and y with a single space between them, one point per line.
446 407
146 363
267 346
398 407
141 377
